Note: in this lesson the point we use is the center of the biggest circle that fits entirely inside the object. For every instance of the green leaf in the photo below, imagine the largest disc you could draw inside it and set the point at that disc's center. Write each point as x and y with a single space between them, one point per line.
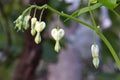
111 4
84 10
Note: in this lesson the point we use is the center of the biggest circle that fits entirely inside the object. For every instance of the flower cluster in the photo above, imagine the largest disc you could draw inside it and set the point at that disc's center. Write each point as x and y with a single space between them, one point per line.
22 23
36 28
95 55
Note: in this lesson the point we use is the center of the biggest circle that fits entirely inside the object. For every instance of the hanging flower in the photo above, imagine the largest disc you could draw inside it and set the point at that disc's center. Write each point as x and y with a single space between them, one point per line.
26 21
18 22
95 55
57 34
39 27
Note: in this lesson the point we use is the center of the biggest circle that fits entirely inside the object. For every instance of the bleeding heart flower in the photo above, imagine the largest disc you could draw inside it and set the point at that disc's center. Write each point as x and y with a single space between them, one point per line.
39 26
26 22
95 55
57 34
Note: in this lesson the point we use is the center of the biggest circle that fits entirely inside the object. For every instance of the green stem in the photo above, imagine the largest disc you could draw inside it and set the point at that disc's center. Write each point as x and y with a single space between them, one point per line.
41 14
69 16
115 13
93 21
34 12
110 48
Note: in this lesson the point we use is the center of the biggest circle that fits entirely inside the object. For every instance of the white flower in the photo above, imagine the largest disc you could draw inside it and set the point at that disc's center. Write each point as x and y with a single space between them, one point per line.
18 22
39 26
95 55
26 22
57 34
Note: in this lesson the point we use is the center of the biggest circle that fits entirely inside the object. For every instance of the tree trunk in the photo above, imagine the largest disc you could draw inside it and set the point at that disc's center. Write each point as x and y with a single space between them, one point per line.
31 53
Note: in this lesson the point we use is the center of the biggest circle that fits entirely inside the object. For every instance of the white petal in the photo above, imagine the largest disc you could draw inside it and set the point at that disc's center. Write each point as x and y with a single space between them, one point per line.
42 25
95 50
96 62
54 33
61 33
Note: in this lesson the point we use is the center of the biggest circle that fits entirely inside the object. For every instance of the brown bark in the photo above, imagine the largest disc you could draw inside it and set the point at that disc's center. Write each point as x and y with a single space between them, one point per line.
32 52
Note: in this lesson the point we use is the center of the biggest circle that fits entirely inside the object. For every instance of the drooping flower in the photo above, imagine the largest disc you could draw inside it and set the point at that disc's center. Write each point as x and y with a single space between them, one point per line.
26 21
95 55
18 22
39 27
57 34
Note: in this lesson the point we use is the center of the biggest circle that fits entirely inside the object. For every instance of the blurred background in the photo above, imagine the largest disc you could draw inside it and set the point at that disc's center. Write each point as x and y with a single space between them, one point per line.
22 59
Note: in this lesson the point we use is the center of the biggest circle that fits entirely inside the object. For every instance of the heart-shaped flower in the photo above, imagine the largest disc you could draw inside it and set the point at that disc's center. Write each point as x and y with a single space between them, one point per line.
39 26
57 34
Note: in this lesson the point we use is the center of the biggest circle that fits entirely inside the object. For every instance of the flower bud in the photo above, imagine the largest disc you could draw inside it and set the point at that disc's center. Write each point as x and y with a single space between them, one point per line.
57 46
57 34
95 50
26 22
18 22
96 62
38 38
39 26
33 21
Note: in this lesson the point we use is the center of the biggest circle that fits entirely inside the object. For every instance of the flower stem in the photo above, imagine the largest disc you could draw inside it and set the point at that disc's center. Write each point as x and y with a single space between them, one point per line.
93 20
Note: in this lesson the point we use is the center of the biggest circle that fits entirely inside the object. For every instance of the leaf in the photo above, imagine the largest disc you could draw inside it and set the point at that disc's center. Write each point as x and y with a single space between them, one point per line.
111 4
84 10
